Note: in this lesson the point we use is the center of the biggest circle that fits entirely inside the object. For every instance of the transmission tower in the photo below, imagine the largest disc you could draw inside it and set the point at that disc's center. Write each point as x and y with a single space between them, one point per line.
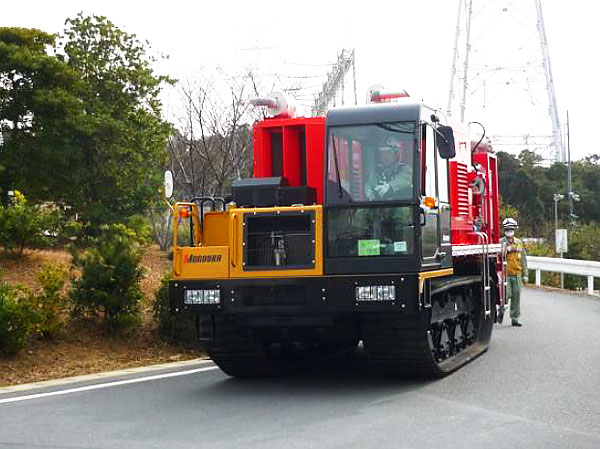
501 75
335 83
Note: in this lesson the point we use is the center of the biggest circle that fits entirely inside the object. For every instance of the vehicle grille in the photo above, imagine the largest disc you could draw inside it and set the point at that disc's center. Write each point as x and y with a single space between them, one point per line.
279 241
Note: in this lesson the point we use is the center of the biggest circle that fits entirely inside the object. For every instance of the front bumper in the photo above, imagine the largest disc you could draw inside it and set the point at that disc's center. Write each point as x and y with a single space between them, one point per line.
297 296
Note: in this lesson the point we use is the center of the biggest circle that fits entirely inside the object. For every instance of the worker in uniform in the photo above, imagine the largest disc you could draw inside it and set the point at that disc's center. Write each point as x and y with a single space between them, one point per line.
513 250
392 178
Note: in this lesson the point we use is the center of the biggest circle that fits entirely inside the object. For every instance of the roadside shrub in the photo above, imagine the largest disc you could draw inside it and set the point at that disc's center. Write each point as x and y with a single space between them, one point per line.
72 230
67 229
24 226
181 330
548 278
161 308
126 324
141 227
109 284
540 249
18 319
50 301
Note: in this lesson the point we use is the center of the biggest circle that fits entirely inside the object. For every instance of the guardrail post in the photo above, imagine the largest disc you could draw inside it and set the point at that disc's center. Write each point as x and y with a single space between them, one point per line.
590 285
538 278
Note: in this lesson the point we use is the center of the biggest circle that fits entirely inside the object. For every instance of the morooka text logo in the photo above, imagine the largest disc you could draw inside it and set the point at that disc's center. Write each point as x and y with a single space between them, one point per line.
211 258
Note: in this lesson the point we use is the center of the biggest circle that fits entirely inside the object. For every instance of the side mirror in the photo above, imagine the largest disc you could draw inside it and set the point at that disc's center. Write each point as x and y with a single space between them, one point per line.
445 142
168 184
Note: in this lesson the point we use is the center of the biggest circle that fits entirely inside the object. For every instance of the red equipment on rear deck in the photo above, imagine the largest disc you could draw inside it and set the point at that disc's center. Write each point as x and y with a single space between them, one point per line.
292 148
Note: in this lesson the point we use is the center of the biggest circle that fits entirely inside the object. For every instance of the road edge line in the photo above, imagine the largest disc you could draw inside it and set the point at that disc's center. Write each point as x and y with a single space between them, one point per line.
99 386
101 375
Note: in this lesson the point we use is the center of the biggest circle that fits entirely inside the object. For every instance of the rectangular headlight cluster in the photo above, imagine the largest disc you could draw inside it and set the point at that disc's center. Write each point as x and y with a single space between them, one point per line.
376 293
202 297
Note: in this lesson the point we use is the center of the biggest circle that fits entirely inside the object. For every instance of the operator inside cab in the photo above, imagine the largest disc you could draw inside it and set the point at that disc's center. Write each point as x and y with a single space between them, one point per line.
371 189
392 177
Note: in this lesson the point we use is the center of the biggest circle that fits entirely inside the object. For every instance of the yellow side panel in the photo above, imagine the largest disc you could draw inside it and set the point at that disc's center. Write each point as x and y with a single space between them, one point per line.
237 236
216 228
433 274
210 262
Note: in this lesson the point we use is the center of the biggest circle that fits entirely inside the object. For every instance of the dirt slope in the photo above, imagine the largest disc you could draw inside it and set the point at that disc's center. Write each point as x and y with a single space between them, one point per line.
84 348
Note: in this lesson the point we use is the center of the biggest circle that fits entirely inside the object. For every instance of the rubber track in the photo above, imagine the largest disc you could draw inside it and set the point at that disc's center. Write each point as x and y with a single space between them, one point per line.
399 346
237 352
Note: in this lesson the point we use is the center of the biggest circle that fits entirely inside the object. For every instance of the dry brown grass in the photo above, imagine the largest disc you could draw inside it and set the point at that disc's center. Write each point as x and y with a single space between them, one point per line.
84 348
24 270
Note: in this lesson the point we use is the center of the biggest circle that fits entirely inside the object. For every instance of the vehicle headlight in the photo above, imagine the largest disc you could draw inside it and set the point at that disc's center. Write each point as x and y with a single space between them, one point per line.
376 293
202 297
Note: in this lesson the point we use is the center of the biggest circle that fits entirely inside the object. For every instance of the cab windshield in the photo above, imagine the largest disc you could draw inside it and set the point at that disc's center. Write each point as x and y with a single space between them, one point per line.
368 163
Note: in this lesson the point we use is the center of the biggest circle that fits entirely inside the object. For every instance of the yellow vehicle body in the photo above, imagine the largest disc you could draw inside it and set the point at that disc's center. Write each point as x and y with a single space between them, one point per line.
218 247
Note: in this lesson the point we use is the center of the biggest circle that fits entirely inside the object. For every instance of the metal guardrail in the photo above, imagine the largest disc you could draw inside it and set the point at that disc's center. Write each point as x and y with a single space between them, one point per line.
587 268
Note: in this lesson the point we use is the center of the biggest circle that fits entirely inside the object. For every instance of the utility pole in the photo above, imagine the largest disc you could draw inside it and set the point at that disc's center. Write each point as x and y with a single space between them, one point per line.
557 198
572 195
570 179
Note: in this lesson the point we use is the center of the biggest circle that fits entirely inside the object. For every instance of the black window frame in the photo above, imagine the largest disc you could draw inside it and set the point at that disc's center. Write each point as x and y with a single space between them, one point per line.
415 166
375 264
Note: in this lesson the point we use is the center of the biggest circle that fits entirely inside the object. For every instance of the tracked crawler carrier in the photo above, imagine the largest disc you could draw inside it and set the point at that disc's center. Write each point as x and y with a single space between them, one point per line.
376 223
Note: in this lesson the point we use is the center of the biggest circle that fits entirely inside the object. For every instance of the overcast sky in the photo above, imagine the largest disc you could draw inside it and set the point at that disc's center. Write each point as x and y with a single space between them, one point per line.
398 44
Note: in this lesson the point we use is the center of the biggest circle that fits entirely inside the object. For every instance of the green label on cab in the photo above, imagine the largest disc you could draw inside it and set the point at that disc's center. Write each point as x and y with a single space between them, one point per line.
368 247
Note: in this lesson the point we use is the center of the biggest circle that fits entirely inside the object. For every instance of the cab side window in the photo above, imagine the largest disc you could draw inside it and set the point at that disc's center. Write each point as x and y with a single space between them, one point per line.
429 168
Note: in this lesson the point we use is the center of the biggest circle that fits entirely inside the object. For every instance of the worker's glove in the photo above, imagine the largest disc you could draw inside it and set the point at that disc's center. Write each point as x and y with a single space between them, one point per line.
525 280
382 189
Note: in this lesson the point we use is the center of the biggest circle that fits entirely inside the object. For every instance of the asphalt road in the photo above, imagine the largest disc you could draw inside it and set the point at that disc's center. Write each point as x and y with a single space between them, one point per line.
537 387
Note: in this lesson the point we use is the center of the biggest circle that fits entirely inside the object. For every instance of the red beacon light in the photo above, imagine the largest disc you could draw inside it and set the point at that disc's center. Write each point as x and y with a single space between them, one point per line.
278 105
378 94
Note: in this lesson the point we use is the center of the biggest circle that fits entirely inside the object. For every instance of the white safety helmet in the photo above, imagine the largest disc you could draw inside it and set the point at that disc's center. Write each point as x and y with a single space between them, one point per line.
510 223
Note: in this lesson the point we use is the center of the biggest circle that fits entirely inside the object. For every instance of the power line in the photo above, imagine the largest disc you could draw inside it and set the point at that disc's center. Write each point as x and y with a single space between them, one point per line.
335 82
310 65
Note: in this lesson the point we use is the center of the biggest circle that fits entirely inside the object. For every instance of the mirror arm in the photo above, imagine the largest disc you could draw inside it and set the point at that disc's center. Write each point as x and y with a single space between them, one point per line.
435 130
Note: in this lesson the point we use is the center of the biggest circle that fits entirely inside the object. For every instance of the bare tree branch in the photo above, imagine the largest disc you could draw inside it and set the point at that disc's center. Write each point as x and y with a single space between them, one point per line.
213 149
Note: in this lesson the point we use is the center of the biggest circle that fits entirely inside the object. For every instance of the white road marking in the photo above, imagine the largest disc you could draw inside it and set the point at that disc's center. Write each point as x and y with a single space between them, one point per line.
105 385
101 375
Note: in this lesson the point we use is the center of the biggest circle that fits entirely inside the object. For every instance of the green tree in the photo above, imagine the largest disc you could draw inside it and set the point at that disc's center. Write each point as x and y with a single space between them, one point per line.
38 112
110 278
530 160
520 187
23 225
586 182
123 143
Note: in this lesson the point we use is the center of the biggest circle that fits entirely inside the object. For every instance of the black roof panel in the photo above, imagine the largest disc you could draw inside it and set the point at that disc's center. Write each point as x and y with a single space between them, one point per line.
374 113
